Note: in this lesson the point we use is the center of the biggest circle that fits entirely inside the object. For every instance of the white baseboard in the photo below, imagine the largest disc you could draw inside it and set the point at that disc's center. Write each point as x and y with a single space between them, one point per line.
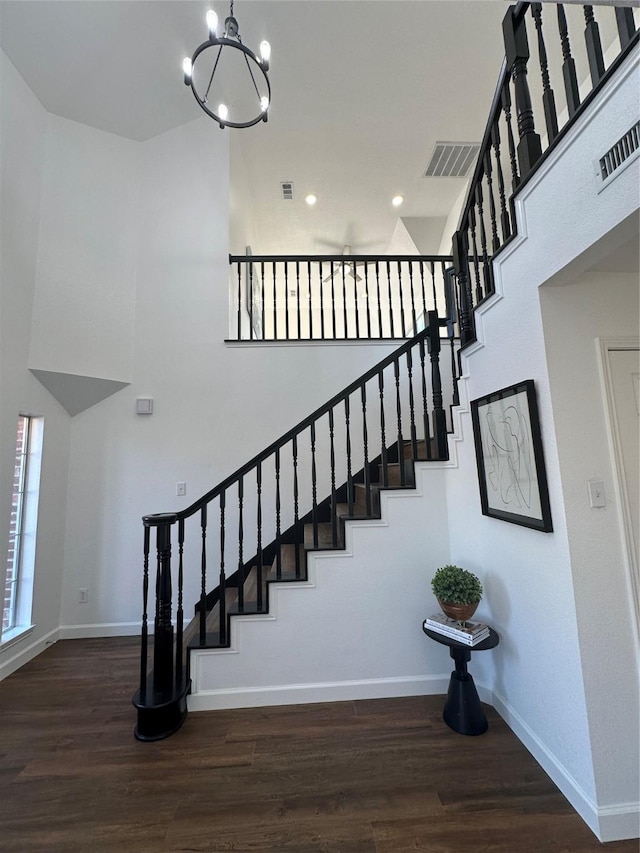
29 652
608 823
300 694
102 629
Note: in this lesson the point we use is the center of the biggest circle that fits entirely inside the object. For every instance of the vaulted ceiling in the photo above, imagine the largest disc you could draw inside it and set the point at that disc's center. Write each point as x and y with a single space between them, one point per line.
361 92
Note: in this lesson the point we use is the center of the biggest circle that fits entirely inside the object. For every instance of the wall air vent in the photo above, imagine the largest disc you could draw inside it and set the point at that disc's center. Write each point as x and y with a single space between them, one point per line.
287 190
452 159
620 152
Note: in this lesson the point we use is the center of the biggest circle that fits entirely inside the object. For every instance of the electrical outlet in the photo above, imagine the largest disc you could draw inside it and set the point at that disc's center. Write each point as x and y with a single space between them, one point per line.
83 595
181 489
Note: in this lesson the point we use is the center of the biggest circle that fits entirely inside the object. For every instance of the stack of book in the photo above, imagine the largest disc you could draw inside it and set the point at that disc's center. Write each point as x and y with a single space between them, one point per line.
469 633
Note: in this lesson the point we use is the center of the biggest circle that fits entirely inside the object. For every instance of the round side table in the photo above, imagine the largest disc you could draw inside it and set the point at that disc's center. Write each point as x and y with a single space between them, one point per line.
462 710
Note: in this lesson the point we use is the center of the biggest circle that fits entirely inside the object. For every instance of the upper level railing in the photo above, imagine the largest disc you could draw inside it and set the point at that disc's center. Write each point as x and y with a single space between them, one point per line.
336 297
575 53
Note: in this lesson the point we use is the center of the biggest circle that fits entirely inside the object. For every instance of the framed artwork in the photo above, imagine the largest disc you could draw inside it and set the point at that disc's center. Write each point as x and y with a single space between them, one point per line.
511 472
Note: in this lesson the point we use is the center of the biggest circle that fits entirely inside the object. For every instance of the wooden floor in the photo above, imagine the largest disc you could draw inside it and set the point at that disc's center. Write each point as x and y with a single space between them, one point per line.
375 776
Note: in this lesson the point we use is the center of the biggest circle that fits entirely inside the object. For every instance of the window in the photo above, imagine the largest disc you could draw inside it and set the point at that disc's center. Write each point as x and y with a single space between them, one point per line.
21 552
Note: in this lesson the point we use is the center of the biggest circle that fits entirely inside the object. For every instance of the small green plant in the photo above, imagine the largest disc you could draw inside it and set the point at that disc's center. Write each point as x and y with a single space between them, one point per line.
456 586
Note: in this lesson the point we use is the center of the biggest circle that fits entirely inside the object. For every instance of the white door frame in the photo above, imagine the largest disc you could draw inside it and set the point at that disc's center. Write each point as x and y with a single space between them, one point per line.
604 347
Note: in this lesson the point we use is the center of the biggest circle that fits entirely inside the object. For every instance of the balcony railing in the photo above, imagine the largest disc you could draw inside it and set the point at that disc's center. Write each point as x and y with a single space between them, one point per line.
336 297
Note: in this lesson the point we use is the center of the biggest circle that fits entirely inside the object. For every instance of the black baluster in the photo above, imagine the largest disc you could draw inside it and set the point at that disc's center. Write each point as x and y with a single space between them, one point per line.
333 302
380 335
365 449
299 335
310 303
383 437
296 513
344 301
401 297
356 303
412 418
180 611
203 575
548 97
239 301
488 170
259 566
144 638
568 66
450 298
240 544
425 399
248 272
314 486
505 223
348 451
626 25
433 288
594 46
278 522
517 52
366 296
460 261
222 601
396 373
262 300
424 295
487 274
413 301
476 260
391 323
321 284
334 503
286 299
506 106
274 292
439 416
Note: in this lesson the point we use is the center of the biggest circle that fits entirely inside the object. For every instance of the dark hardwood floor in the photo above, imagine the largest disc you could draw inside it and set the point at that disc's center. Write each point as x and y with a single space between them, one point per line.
375 776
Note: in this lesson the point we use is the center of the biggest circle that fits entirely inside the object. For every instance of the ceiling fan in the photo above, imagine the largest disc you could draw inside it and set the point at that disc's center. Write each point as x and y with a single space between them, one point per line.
345 267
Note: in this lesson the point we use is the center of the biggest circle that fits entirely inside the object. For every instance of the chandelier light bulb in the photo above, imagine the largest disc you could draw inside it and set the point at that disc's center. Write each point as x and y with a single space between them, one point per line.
397 200
187 69
265 52
212 23
311 199
264 103
223 112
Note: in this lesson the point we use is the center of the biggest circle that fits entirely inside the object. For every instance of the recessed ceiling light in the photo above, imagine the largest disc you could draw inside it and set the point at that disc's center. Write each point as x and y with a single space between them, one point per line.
397 200
311 199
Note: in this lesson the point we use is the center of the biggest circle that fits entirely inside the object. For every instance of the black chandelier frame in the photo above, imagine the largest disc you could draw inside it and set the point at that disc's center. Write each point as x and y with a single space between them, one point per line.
231 27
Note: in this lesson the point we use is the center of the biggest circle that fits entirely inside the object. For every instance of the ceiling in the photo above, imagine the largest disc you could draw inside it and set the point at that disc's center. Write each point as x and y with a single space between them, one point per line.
361 92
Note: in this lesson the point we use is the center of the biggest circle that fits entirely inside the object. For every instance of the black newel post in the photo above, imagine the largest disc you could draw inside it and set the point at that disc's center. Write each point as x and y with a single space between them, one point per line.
460 253
163 628
517 52
161 701
439 418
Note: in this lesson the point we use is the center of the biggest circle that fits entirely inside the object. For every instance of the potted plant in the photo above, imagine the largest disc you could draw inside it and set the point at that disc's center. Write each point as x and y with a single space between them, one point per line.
458 592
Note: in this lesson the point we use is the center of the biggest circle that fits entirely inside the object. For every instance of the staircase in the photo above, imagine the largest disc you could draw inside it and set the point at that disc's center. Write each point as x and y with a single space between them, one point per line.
365 440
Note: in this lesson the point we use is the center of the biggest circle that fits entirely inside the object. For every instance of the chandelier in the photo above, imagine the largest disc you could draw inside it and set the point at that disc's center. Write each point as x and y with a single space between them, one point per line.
228 80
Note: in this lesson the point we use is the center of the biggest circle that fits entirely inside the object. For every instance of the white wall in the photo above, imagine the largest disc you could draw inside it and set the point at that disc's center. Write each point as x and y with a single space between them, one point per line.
84 302
549 680
23 130
597 304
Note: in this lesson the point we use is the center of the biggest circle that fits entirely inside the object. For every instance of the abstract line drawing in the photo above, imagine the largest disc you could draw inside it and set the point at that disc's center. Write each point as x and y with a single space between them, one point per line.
511 473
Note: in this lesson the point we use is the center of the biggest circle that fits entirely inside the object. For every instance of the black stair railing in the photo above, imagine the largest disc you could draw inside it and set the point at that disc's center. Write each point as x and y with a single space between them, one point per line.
532 109
254 526
334 297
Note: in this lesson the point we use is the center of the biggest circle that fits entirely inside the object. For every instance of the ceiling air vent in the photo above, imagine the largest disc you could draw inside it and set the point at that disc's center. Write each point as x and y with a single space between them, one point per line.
452 159
621 151
287 190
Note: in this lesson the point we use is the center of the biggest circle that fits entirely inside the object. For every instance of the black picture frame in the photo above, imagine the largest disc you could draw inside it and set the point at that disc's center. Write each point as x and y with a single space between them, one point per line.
511 469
